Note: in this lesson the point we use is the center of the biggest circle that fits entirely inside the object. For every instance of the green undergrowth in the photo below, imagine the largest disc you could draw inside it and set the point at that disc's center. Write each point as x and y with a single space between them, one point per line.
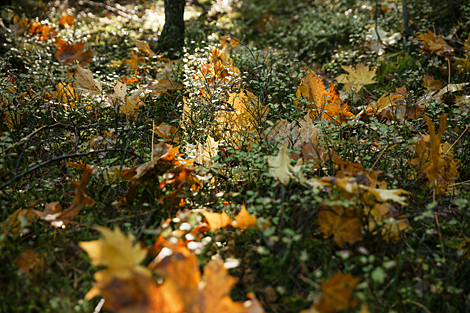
425 268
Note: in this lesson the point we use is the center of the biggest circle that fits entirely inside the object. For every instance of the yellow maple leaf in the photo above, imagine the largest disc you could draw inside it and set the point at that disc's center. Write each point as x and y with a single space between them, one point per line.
118 253
217 220
244 219
356 77
65 94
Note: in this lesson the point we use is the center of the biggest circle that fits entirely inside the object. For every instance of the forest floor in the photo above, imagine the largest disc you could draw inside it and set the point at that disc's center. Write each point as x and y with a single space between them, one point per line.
300 156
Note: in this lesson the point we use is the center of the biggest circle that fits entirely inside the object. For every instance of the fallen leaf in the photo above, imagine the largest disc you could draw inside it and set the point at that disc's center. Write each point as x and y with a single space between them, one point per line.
356 78
83 81
390 221
280 166
66 20
69 53
143 46
217 220
244 219
434 44
184 290
337 293
118 253
340 223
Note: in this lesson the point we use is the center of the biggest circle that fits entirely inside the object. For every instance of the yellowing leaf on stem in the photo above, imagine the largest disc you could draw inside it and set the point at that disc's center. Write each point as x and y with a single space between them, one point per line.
434 158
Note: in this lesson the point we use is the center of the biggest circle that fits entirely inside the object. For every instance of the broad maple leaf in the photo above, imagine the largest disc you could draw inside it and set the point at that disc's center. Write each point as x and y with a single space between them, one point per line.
129 103
294 134
343 224
356 78
322 104
45 31
30 262
337 293
69 53
185 291
118 253
394 106
435 44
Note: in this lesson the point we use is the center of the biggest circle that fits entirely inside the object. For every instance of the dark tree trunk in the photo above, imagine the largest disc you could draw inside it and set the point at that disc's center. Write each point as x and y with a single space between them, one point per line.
172 39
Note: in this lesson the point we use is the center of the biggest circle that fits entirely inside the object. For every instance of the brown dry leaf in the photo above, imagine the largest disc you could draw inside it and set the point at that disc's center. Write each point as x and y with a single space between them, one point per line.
19 220
129 295
69 53
118 253
66 20
363 177
184 290
133 61
83 81
356 78
129 103
80 201
431 83
394 105
393 222
244 219
219 67
51 211
30 262
436 159
337 293
167 132
158 87
20 25
25 261
340 223
435 44
322 104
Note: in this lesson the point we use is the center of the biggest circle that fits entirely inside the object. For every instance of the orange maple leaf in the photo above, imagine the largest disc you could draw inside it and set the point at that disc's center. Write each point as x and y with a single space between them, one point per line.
184 290
322 104
69 53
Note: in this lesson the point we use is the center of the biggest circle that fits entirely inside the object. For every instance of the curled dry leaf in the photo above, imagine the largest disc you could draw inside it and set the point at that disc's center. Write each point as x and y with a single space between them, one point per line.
83 81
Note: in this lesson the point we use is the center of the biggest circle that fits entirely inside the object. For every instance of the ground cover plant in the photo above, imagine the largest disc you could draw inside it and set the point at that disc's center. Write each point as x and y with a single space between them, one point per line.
299 156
